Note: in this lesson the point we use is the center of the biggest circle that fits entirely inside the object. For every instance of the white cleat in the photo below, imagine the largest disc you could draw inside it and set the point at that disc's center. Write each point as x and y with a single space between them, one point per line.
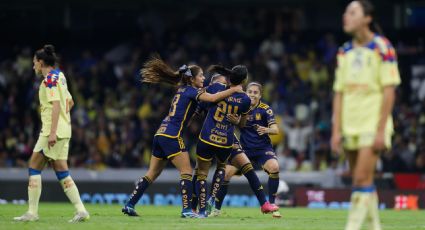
276 214
215 213
27 217
80 217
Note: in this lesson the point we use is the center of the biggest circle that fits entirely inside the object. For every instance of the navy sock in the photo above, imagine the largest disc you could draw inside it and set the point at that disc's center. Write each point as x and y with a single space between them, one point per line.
186 191
194 200
254 182
217 179
221 194
273 184
141 186
201 190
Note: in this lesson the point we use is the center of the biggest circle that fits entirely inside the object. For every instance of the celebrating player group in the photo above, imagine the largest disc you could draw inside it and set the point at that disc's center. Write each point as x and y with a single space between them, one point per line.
366 77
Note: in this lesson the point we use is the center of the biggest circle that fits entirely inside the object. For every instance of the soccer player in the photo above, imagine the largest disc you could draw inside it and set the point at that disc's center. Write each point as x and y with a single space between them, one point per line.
216 137
168 143
217 179
255 147
53 143
365 81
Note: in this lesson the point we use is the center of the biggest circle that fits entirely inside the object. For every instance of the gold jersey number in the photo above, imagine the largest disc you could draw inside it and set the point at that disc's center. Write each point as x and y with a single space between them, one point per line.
222 109
174 105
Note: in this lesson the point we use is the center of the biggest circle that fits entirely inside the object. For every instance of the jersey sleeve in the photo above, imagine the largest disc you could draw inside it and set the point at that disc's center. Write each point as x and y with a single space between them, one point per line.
338 85
52 91
193 93
270 116
388 70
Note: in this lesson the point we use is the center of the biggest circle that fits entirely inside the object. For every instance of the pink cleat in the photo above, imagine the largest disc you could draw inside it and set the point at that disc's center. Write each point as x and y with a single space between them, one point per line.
268 208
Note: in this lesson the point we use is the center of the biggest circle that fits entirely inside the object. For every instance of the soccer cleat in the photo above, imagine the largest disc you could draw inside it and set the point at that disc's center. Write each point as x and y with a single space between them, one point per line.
129 211
27 217
276 214
210 205
215 212
189 214
80 217
268 208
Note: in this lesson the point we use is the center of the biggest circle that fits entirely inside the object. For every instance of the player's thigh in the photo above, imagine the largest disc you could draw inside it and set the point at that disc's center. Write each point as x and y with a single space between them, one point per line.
365 167
182 163
156 165
37 161
352 159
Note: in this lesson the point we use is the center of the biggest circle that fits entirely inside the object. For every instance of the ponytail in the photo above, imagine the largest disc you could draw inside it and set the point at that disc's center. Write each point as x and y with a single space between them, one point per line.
47 55
369 10
157 71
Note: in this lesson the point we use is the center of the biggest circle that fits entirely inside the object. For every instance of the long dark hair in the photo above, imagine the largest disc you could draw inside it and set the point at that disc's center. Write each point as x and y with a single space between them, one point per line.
155 71
236 75
369 10
47 54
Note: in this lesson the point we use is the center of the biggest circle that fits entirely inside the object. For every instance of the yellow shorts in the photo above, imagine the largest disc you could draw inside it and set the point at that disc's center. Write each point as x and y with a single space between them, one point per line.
59 151
355 142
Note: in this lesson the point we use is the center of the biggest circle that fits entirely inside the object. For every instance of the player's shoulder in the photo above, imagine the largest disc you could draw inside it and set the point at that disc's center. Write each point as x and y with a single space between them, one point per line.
263 106
384 47
346 47
52 78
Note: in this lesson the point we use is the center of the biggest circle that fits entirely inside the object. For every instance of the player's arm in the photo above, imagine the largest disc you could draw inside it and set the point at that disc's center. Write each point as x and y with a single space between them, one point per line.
273 129
208 97
55 120
336 123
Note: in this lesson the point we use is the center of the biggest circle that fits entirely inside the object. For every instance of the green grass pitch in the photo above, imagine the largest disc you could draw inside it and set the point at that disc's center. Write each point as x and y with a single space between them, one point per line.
56 215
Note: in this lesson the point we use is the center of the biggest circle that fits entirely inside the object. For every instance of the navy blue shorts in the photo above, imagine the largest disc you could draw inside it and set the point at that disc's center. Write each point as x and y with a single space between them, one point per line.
257 157
207 152
166 147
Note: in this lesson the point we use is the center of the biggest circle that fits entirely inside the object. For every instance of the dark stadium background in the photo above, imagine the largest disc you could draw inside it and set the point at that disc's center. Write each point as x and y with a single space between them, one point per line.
102 45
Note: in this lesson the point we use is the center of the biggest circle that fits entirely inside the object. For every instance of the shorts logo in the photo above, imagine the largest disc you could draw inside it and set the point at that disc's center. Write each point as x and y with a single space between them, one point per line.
270 153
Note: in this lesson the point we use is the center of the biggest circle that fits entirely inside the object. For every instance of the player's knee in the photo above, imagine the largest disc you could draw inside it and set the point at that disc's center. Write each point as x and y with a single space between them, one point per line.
273 167
228 175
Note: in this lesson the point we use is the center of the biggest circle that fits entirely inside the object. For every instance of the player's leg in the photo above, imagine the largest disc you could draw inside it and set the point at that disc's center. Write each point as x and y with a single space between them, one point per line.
205 155
36 165
194 201
217 179
230 171
363 195
271 166
242 162
182 163
156 166
70 189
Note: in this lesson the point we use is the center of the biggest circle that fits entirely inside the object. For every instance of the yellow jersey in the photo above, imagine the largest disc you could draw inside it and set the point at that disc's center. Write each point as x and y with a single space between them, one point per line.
361 74
54 88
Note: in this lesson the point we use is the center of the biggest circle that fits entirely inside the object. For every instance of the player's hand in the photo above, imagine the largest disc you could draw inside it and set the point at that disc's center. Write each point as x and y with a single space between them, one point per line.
70 104
234 118
379 142
336 143
52 140
261 130
238 89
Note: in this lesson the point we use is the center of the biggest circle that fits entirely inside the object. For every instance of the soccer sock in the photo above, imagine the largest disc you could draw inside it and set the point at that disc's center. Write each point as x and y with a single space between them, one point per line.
361 197
34 190
373 213
248 171
141 186
70 190
194 200
186 191
217 179
201 190
221 194
273 184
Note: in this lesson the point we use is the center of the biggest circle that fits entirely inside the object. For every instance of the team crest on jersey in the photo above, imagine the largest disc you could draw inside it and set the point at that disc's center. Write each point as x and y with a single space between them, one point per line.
257 116
51 81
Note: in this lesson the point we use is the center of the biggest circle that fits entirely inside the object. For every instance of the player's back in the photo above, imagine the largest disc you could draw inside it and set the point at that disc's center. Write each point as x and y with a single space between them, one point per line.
182 108
217 130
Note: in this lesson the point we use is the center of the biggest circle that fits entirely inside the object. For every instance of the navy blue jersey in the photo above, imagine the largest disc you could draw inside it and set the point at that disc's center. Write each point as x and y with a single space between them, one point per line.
261 115
217 130
182 108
